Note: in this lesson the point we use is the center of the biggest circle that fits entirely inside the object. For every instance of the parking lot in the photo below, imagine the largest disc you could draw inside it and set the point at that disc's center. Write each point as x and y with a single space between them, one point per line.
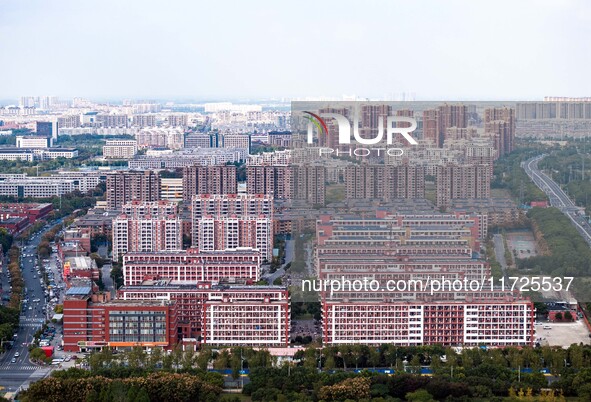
305 328
564 334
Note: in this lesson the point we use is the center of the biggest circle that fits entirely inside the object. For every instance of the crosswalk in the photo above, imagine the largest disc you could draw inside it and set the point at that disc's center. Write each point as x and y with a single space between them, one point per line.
31 319
16 367
31 324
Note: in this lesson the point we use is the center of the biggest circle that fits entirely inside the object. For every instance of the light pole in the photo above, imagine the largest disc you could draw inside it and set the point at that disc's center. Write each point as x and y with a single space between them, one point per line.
241 369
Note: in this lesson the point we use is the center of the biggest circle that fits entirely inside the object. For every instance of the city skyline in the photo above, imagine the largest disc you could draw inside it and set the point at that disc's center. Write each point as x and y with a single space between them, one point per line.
109 50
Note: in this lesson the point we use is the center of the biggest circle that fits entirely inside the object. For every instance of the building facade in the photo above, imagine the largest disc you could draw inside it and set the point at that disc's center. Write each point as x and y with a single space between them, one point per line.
125 186
93 321
228 221
255 315
209 180
192 266
120 149
147 227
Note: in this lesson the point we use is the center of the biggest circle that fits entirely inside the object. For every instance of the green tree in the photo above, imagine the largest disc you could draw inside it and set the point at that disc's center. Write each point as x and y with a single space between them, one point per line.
137 357
203 357
188 358
420 395
155 358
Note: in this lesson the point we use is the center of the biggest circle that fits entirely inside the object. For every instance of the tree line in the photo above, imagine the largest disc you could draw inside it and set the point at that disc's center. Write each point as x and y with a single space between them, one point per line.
339 373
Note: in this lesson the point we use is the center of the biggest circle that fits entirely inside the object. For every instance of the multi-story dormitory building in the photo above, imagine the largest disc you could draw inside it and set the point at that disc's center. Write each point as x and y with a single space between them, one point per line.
147 226
223 314
169 296
485 318
429 234
422 249
190 266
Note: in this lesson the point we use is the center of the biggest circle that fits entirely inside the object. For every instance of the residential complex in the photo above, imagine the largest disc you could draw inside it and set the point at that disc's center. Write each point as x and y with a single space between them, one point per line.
462 181
147 226
275 181
416 249
485 319
171 189
120 149
208 180
125 186
384 181
230 221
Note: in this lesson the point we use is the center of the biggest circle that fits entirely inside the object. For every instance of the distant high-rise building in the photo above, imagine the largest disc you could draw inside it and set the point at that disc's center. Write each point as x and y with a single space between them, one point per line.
271 180
437 121
126 186
144 120
456 133
372 115
462 182
47 129
385 182
331 140
236 141
208 180
309 184
71 121
500 124
27 101
178 120
112 120
198 140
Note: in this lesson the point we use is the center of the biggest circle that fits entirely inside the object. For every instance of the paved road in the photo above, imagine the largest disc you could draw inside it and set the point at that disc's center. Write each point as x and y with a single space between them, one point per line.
22 372
289 253
106 277
558 198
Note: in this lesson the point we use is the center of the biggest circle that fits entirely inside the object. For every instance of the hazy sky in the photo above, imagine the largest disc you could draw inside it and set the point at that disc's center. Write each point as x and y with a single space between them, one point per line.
216 49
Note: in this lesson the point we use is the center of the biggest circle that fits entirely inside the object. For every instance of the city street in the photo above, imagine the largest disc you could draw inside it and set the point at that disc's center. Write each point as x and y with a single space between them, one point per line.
21 372
289 253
